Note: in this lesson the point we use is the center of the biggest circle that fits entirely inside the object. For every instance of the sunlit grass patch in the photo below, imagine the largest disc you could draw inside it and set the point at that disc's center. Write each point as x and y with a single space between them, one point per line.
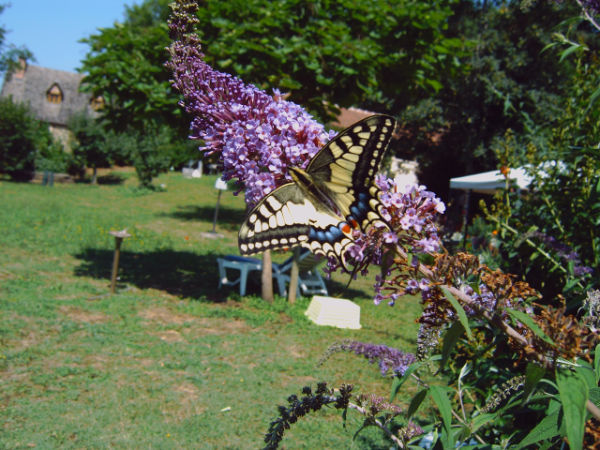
169 361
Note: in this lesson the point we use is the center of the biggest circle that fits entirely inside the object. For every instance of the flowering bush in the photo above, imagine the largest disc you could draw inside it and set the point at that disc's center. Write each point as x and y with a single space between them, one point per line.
257 135
516 372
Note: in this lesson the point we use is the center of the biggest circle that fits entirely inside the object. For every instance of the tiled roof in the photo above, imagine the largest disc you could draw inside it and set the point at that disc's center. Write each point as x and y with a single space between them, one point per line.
32 85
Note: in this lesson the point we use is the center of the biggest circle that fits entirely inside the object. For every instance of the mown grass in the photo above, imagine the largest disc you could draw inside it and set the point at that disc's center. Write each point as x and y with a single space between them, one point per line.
169 361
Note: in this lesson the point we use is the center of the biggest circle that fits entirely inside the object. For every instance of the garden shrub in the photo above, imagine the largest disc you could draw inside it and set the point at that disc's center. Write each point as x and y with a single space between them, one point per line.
21 137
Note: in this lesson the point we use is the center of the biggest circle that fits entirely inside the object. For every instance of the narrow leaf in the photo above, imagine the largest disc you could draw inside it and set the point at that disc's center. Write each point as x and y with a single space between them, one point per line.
573 391
481 420
586 371
568 51
462 315
597 362
451 337
416 402
528 321
439 396
399 381
593 97
548 427
533 374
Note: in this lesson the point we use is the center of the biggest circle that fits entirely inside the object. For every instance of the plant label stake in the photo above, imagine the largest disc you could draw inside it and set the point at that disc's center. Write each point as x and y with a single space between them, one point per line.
119 236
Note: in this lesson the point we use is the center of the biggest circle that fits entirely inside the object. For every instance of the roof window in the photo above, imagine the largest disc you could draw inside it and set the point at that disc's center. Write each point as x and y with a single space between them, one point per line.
54 94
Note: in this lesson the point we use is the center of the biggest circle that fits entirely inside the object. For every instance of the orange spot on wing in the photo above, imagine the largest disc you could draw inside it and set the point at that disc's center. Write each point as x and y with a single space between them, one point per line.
354 223
346 228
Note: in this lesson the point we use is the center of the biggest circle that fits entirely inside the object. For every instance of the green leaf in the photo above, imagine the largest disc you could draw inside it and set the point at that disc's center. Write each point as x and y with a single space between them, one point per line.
528 321
440 397
586 371
399 381
481 420
416 402
593 97
573 391
533 374
451 337
548 427
594 396
597 362
568 51
462 315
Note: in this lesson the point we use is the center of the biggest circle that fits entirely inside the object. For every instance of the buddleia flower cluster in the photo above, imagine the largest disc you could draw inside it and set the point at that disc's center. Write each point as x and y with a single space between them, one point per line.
387 358
410 213
257 135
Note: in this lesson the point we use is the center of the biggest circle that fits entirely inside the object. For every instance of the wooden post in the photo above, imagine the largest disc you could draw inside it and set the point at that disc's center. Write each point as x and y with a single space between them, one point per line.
292 290
214 229
119 236
267 277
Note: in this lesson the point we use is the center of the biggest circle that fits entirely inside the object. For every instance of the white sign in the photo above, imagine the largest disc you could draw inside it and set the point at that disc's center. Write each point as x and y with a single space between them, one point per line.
220 184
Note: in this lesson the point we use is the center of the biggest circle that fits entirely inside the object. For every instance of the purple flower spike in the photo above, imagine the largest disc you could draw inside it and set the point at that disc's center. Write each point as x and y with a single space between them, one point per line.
257 135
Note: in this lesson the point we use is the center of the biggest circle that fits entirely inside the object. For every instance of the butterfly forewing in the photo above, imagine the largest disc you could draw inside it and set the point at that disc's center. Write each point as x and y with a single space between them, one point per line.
347 165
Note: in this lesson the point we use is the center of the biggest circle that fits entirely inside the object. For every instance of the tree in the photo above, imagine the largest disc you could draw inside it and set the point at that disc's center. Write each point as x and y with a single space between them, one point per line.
378 54
551 233
21 137
125 65
508 81
90 148
323 53
9 53
151 153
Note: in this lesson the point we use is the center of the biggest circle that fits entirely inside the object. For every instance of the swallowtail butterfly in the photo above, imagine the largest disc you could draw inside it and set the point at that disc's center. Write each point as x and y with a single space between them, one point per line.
324 203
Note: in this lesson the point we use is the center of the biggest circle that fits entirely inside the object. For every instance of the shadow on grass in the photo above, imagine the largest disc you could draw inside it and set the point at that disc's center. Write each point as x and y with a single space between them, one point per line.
109 179
337 289
180 273
228 218
206 213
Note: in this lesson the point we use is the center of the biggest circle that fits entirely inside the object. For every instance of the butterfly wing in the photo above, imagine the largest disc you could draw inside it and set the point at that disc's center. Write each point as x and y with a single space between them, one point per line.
345 168
286 218
341 174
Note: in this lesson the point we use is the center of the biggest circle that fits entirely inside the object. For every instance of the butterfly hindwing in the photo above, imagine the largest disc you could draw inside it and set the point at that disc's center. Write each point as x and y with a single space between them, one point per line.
286 218
333 195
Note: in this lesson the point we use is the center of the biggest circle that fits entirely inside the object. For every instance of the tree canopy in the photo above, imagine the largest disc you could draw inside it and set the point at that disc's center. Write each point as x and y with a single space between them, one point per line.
125 65
10 53
321 52
508 82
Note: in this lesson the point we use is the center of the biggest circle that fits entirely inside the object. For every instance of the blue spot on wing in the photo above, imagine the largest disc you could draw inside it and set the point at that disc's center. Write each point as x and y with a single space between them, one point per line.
331 235
360 207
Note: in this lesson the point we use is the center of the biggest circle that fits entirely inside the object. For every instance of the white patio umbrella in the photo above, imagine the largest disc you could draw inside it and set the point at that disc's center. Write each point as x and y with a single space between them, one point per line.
489 182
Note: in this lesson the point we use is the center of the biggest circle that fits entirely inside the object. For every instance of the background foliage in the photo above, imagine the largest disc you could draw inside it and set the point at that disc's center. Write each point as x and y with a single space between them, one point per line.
10 53
21 138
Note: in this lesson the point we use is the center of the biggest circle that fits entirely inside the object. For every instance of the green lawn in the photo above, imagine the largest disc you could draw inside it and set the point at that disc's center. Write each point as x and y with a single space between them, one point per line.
169 361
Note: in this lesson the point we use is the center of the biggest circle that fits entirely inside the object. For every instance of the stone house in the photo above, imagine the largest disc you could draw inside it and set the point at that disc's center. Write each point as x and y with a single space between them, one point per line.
52 95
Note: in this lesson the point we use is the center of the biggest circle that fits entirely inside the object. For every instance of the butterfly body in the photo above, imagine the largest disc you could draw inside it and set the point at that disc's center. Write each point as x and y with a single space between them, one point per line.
325 202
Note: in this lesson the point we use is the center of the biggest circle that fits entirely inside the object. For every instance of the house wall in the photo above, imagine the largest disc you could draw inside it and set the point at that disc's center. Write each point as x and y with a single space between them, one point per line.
62 135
